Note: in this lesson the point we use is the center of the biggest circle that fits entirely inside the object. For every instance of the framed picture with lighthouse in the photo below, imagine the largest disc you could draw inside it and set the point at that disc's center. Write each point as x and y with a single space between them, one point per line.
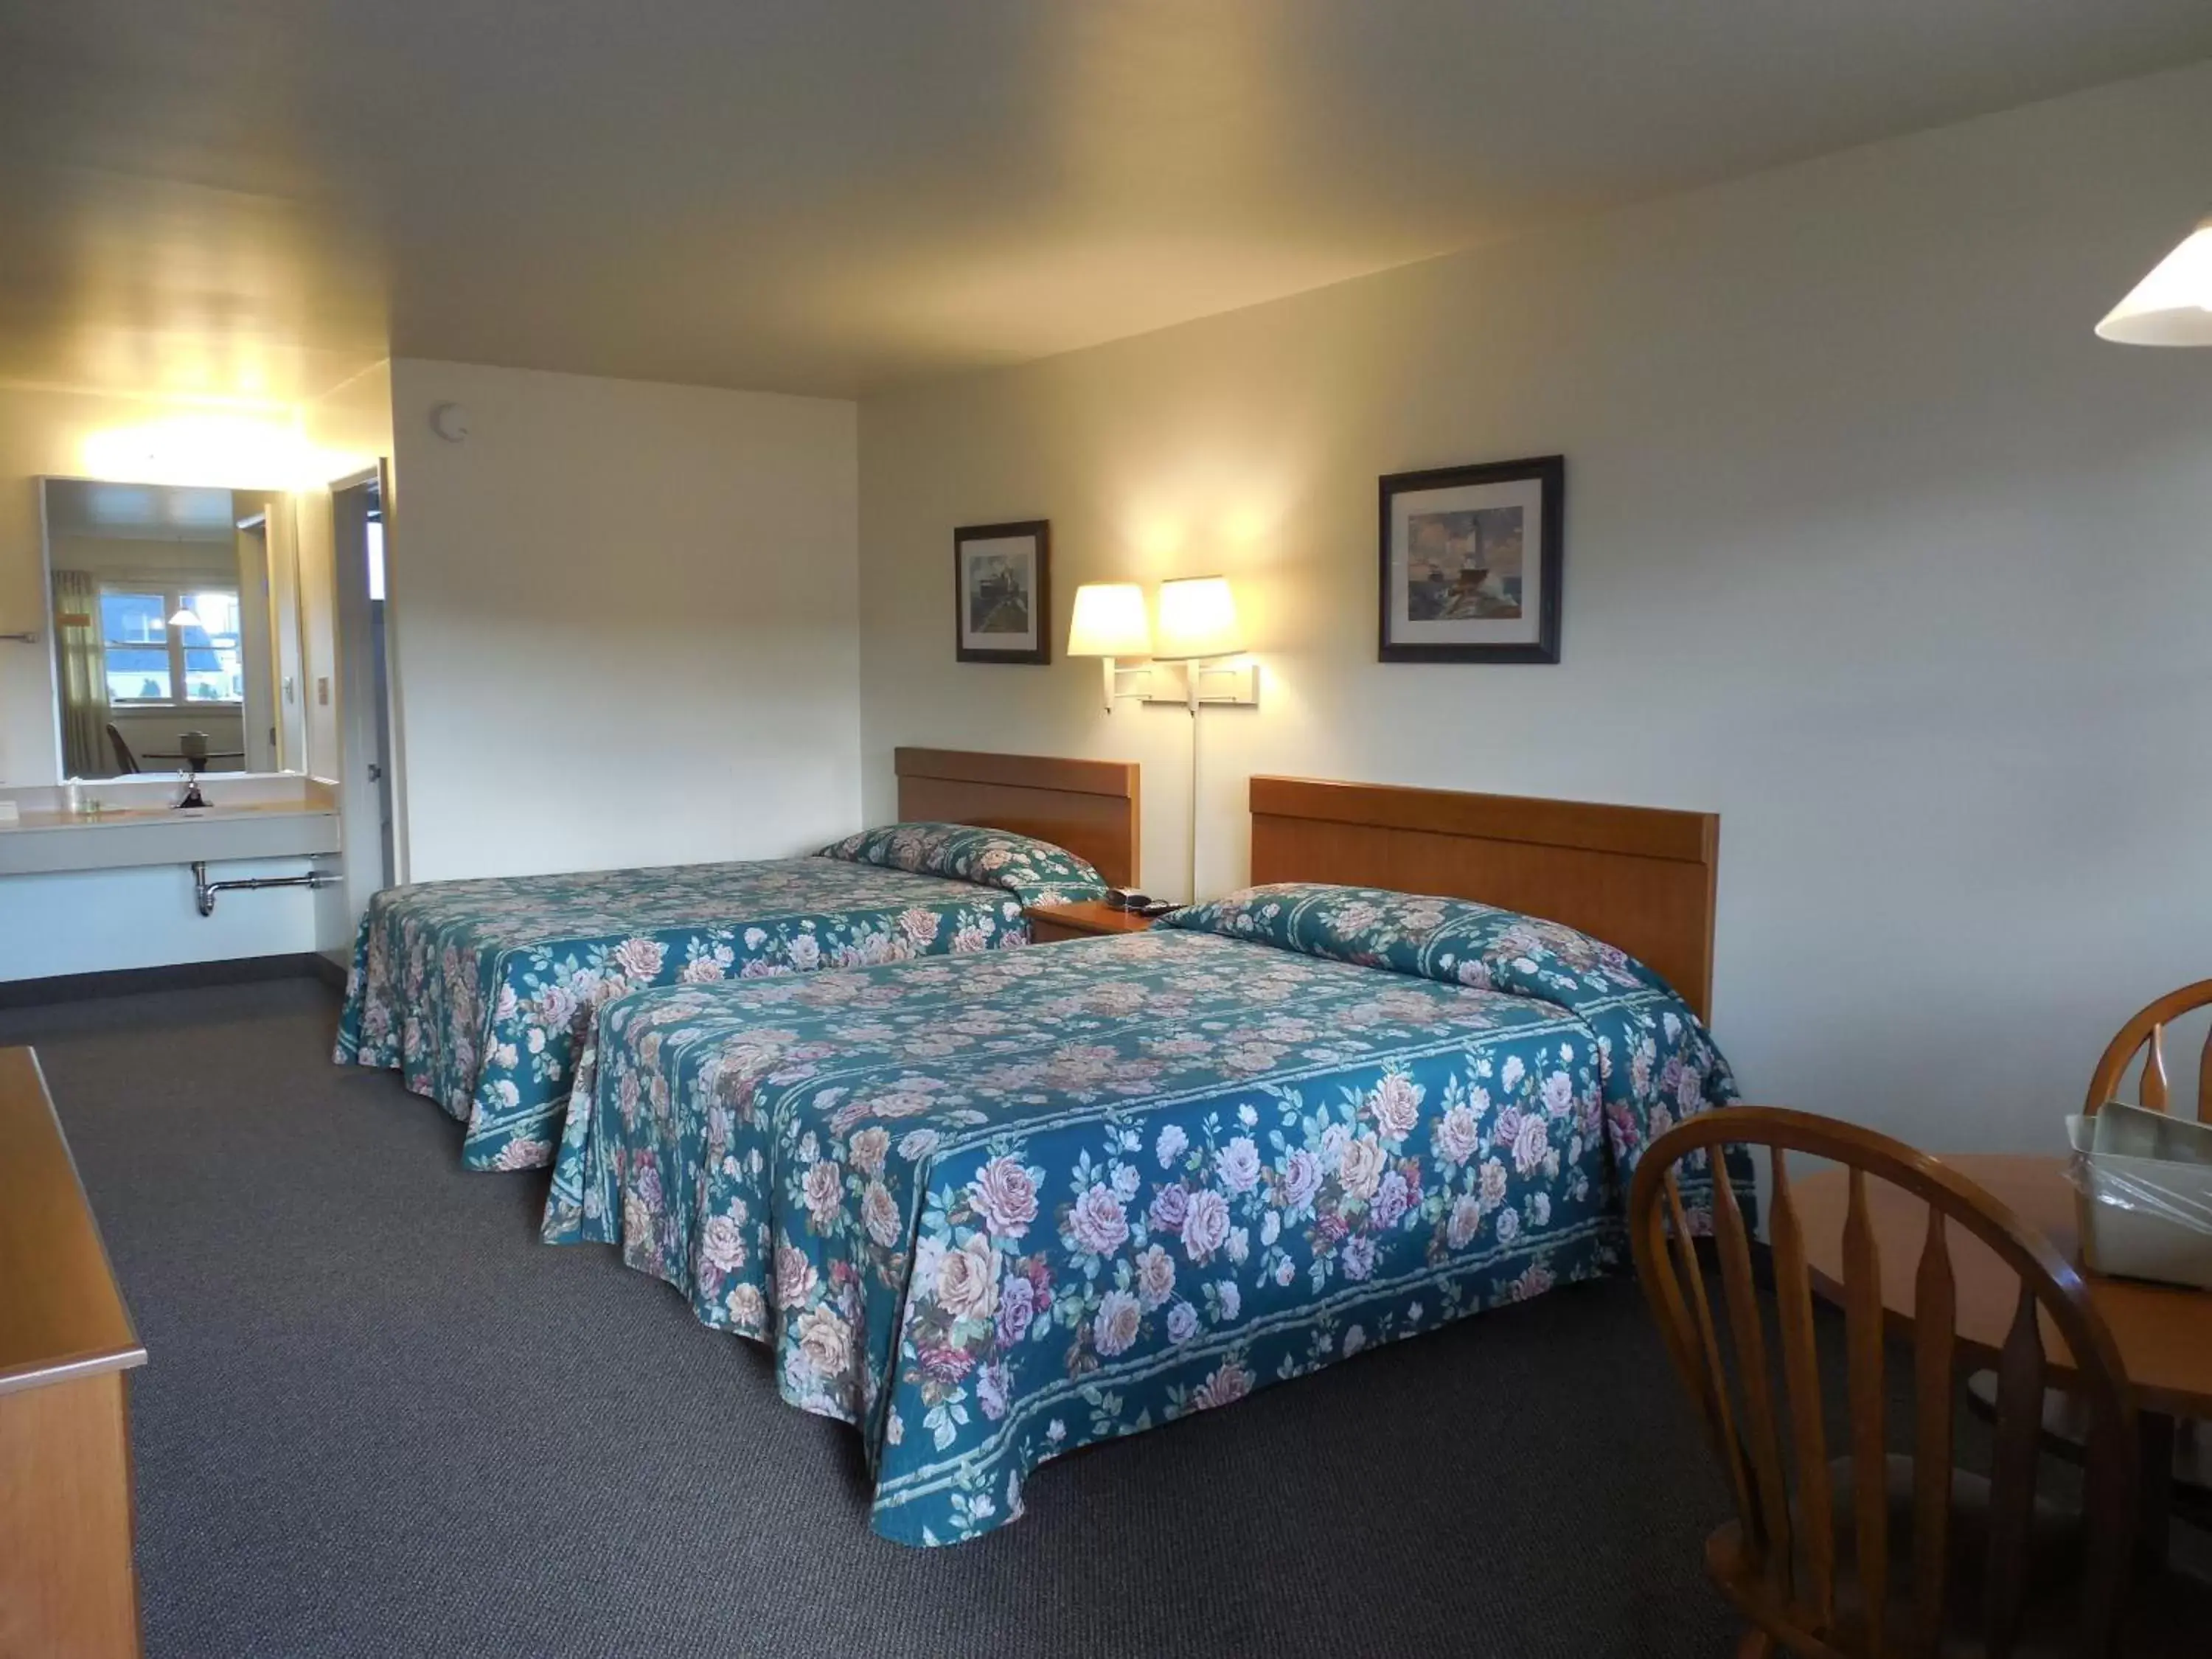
1471 560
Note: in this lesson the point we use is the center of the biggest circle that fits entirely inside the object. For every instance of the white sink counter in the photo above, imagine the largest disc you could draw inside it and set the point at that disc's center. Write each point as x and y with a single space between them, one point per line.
246 818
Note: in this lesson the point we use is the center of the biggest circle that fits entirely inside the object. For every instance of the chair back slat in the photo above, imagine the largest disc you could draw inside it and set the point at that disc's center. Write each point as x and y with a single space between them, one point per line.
1934 1351
2153 1072
1801 1375
1753 1560
2012 1473
1862 1344
1702 1372
1691 1322
2147 1030
1746 1333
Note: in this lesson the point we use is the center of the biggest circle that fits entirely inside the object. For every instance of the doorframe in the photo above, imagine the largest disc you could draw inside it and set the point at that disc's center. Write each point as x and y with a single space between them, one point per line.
360 795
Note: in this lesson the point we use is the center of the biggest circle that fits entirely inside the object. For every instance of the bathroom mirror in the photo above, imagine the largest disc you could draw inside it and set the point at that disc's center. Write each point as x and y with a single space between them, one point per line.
176 629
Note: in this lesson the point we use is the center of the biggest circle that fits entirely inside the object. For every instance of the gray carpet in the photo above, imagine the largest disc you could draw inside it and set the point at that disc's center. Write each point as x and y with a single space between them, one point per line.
381 1418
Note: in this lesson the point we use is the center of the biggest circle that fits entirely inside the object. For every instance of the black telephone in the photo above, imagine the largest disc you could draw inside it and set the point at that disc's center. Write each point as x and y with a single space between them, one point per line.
1137 903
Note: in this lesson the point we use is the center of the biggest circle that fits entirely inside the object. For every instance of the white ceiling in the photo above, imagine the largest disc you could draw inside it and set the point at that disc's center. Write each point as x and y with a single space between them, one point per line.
256 197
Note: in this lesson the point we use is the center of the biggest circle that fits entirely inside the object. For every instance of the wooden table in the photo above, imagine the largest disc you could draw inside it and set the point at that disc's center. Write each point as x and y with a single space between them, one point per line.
2163 1332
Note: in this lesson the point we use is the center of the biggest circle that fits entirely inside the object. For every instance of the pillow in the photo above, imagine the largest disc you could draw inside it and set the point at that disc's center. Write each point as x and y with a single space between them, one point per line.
1036 871
1455 940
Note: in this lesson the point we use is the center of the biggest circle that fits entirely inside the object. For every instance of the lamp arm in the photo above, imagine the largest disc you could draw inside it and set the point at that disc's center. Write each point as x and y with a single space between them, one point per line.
1138 678
1194 790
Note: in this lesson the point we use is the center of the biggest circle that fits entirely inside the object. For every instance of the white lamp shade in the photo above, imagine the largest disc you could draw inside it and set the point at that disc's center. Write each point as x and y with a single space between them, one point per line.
1109 621
2172 305
184 616
1198 618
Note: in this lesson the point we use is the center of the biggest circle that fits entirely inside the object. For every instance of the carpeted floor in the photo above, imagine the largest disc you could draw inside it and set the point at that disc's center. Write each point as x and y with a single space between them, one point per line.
381 1418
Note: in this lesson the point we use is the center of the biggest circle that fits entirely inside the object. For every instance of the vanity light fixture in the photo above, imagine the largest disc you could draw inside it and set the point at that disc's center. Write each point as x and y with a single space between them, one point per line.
1111 622
2172 305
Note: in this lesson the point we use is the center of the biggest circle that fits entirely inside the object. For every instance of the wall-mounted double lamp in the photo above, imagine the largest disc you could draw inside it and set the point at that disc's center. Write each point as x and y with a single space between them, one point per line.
1195 656
2172 305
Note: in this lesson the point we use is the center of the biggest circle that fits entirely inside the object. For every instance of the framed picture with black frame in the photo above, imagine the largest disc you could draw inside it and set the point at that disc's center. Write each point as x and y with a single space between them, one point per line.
1470 563
1002 592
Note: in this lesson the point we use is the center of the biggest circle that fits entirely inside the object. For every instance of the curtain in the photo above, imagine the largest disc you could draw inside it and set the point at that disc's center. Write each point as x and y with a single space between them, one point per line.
84 671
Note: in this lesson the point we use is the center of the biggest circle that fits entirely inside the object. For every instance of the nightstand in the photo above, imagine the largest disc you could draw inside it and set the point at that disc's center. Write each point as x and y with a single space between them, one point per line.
1050 923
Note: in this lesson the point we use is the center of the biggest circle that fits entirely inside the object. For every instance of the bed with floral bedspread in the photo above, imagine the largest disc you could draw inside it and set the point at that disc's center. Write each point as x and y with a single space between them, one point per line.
990 1210
482 993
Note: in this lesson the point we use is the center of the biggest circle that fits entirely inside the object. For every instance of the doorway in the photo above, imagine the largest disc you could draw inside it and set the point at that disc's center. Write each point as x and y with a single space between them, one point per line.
366 798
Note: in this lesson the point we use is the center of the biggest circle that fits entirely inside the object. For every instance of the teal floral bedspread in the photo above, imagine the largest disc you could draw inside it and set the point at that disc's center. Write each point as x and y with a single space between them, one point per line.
992 1209
481 994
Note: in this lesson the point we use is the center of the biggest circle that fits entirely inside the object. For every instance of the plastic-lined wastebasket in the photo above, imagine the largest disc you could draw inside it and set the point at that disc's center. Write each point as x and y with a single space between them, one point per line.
2143 1184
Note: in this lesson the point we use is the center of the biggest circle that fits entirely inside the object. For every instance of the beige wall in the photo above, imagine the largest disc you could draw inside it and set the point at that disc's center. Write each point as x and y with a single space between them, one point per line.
311 511
623 622
350 426
1872 547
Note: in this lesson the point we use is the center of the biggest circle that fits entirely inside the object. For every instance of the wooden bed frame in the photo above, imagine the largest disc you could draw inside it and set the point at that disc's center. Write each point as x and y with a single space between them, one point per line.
1090 807
1641 877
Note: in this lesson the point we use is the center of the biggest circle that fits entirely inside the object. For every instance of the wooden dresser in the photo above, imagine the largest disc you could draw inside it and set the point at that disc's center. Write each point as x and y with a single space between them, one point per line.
67 1582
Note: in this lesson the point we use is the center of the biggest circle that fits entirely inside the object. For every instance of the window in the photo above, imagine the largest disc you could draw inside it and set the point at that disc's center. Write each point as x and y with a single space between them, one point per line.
376 559
154 663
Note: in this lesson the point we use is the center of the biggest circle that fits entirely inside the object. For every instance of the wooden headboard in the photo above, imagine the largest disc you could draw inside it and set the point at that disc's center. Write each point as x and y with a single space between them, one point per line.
1641 877
1090 807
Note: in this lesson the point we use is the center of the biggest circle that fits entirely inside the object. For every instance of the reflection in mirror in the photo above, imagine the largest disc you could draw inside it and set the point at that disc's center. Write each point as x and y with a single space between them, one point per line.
176 629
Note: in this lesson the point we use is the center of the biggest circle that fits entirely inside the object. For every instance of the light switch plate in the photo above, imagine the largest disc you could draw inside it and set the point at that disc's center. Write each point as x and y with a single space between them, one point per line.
323 690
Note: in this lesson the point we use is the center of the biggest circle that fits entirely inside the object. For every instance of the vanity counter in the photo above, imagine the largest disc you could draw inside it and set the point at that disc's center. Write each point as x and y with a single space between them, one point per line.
262 818
116 817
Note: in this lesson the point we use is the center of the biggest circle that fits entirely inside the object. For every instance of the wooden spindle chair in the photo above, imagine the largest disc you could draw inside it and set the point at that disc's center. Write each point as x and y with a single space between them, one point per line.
126 759
2148 1030
1916 1526
2189 1482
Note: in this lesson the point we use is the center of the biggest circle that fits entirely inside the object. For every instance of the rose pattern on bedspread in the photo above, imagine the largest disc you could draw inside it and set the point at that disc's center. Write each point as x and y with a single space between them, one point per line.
482 993
991 1209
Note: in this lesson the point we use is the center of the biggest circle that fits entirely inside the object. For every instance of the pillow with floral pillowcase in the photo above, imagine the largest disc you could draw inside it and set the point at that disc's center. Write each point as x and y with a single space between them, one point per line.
1036 871
1675 1070
1459 941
